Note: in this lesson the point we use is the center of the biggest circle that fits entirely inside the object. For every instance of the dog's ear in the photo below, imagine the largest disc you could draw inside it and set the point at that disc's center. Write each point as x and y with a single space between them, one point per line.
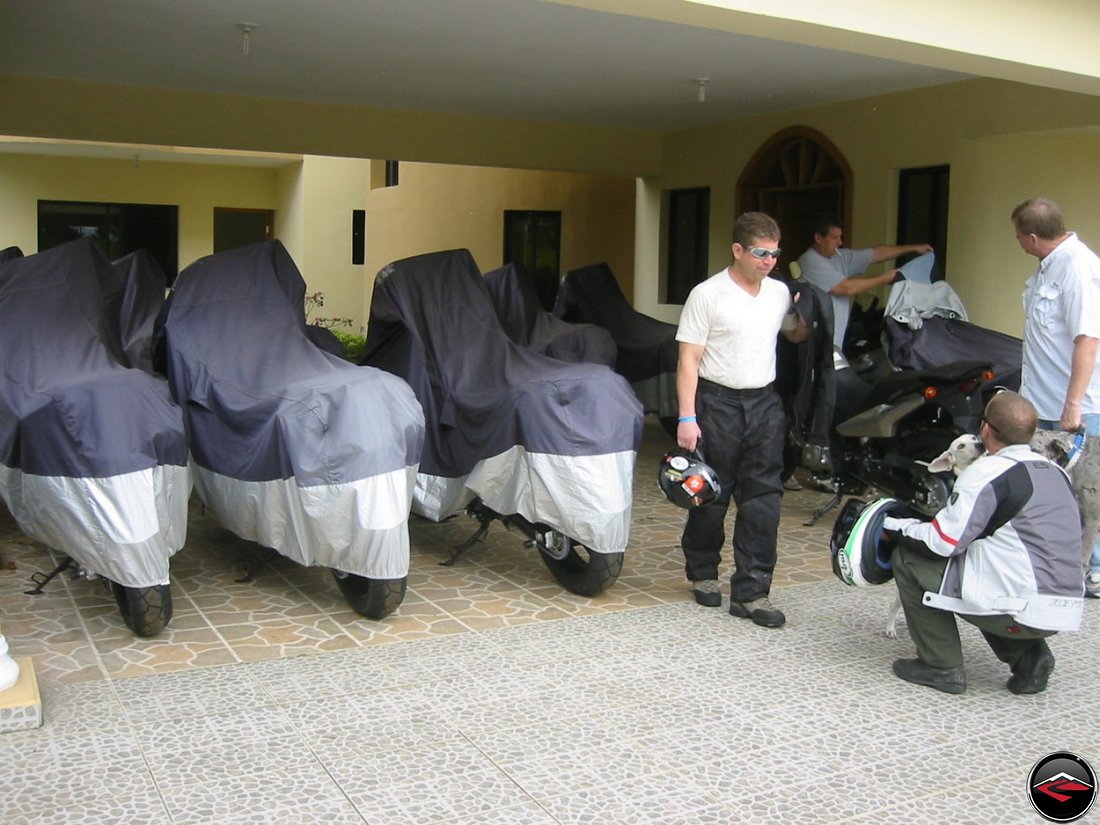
943 463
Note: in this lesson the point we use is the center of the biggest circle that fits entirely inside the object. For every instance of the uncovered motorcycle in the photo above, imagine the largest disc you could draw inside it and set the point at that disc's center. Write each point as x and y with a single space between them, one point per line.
889 425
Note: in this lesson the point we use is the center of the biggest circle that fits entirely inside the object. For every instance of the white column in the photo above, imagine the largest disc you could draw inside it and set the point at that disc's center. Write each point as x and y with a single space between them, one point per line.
9 668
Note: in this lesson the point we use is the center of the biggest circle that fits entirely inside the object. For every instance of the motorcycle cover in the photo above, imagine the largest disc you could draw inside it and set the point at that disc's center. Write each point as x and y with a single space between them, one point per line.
292 447
93 456
142 298
552 441
927 328
647 348
526 323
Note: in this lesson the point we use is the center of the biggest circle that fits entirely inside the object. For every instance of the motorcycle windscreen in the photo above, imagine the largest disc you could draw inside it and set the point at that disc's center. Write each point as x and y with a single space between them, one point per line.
293 447
516 301
93 456
646 346
552 441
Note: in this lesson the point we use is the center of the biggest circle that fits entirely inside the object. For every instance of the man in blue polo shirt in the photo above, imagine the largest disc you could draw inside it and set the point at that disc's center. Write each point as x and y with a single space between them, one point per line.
831 267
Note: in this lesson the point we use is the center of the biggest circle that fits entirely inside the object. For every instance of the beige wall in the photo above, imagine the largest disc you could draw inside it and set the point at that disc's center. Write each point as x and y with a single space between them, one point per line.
434 207
994 175
330 189
438 207
985 130
195 188
68 110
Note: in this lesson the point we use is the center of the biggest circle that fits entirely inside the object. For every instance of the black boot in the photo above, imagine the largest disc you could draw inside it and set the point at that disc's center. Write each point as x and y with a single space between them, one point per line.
949 680
1031 672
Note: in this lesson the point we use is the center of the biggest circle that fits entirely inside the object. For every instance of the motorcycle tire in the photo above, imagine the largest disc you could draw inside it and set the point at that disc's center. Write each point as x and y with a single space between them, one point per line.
372 598
146 610
585 577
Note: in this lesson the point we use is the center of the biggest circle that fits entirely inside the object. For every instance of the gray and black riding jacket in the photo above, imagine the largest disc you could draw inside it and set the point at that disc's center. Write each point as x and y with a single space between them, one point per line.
1012 535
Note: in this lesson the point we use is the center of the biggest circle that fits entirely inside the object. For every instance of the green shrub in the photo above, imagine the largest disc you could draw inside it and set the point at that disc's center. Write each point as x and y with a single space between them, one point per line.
354 344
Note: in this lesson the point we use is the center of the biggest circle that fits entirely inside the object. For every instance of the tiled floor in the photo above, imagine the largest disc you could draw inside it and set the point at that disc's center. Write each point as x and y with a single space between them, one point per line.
493 696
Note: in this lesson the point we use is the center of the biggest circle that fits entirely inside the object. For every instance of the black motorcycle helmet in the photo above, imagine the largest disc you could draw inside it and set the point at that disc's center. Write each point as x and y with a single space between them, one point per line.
686 480
860 552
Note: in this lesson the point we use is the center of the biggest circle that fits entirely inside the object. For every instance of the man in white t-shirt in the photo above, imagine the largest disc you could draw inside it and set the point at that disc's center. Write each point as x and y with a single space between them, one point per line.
1061 374
832 268
729 409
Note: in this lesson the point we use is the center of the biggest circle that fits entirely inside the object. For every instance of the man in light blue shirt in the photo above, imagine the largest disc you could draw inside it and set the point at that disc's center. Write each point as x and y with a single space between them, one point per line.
1061 375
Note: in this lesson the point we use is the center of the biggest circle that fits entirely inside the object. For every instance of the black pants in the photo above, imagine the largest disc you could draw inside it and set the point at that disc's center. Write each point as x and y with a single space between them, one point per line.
743 442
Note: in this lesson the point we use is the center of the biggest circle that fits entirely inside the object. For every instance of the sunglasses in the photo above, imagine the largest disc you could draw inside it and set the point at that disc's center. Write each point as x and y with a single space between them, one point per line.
987 422
762 253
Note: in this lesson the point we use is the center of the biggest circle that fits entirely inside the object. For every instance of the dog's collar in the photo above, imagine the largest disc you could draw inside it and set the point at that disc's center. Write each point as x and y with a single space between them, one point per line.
1074 452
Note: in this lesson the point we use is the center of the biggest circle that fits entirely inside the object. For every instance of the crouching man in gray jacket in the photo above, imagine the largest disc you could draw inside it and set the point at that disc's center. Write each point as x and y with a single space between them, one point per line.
1004 554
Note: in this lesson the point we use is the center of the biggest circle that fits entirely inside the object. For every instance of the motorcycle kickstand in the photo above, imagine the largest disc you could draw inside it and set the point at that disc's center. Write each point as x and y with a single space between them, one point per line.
251 572
41 581
829 505
456 551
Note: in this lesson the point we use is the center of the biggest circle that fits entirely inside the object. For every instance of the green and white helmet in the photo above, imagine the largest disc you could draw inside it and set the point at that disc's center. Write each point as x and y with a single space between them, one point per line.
859 550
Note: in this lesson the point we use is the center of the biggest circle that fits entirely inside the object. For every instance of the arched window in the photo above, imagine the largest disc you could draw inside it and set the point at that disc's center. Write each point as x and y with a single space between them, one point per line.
795 176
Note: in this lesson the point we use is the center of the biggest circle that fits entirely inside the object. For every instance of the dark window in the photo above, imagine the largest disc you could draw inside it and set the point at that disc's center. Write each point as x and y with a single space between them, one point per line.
533 240
119 229
688 238
237 227
922 211
358 236
391 173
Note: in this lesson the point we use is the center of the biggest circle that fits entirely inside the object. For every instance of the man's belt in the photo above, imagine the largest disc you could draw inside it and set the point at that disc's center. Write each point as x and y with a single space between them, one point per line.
720 391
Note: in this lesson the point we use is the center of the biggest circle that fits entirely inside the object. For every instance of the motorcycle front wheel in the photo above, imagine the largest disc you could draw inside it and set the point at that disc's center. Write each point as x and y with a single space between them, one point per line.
372 598
146 610
575 567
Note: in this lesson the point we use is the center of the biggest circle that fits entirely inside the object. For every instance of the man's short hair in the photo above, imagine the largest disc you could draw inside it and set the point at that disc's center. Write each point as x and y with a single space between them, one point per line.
755 226
826 221
1012 417
1040 217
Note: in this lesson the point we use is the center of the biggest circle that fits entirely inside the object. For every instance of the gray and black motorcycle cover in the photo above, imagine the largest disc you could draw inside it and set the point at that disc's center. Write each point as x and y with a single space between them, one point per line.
292 447
921 333
516 300
647 348
143 288
552 441
93 456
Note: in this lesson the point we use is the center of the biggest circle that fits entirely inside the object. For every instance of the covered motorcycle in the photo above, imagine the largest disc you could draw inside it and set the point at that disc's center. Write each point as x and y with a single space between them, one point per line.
516 300
292 447
647 348
93 456
546 445
926 325
143 290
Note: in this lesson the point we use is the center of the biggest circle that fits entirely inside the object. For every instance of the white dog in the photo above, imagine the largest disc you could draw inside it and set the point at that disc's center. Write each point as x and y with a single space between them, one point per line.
960 454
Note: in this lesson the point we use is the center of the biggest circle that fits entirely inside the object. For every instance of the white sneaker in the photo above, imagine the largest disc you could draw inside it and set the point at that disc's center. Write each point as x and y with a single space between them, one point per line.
1092 584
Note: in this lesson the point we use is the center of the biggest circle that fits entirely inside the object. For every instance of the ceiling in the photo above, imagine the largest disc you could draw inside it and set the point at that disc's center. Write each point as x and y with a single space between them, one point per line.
525 59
